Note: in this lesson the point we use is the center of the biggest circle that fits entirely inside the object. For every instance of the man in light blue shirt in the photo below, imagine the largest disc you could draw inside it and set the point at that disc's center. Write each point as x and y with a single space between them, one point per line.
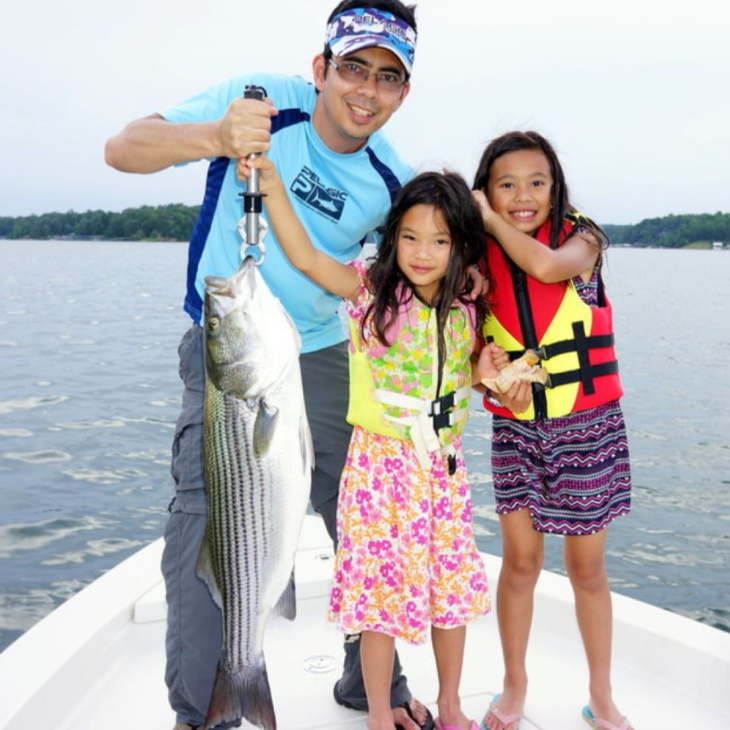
341 174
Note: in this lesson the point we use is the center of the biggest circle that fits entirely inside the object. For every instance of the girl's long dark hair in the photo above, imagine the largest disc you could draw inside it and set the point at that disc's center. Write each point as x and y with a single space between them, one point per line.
559 199
391 289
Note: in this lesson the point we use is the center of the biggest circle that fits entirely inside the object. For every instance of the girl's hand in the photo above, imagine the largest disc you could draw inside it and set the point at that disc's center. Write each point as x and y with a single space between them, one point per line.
268 175
478 283
492 359
517 398
484 208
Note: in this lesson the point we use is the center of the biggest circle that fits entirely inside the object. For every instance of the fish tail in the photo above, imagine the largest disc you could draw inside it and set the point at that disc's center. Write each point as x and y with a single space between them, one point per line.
243 693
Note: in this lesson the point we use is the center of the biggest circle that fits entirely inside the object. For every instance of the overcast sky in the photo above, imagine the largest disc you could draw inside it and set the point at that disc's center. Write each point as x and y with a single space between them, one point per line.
635 95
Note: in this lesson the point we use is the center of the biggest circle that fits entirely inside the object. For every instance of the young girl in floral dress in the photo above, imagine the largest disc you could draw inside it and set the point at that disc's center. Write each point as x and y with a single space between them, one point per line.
406 556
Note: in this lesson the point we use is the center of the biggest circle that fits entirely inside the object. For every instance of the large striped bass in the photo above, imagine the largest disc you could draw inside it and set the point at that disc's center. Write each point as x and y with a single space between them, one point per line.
258 462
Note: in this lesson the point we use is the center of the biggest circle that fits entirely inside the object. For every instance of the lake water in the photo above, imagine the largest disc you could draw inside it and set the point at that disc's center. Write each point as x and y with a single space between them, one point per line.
89 395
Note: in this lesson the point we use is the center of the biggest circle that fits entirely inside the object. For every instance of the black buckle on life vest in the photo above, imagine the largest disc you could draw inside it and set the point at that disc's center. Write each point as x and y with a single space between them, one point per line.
441 410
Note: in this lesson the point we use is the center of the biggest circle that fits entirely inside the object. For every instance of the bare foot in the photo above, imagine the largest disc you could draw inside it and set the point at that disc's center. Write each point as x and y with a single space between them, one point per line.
374 723
454 720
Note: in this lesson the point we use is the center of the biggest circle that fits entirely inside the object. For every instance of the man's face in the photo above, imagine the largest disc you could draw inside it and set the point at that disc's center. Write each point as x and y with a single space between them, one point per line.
349 110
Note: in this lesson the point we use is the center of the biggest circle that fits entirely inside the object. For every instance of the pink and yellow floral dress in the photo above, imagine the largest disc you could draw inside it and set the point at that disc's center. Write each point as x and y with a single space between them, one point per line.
407 556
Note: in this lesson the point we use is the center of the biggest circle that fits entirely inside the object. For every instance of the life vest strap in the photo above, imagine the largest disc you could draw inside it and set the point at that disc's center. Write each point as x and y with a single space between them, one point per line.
581 344
436 407
592 342
555 380
428 417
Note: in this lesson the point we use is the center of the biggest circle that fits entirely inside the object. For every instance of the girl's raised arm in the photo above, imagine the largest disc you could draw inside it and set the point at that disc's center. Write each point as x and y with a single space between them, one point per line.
337 278
577 256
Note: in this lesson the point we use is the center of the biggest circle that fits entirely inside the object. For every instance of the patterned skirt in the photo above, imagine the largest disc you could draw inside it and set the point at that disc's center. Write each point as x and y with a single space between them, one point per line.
572 473
407 556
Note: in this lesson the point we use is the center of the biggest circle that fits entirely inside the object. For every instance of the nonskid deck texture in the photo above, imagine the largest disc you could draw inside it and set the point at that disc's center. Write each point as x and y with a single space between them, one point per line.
98 660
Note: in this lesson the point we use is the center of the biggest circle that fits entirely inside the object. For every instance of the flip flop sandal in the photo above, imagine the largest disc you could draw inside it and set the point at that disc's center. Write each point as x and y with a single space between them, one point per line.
506 720
597 724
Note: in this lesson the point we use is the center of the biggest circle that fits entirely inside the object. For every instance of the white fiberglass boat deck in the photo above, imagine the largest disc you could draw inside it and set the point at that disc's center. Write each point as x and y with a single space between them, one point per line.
97 662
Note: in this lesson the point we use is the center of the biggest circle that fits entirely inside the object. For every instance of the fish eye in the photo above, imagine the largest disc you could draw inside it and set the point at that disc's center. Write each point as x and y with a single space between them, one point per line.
214 323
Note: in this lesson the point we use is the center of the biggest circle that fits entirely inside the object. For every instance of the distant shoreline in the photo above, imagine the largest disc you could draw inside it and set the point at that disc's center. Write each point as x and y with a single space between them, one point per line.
174 223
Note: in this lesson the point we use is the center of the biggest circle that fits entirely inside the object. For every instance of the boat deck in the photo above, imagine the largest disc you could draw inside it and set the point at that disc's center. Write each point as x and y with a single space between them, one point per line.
669 672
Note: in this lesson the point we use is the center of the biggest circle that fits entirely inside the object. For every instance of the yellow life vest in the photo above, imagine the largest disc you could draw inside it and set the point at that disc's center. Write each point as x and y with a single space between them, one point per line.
419 419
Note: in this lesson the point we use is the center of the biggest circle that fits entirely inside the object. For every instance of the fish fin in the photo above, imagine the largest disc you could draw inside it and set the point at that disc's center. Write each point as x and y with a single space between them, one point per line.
287 604
204 570
244 692
263 429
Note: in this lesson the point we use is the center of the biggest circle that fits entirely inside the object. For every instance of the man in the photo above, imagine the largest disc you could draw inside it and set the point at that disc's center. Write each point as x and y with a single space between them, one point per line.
342 176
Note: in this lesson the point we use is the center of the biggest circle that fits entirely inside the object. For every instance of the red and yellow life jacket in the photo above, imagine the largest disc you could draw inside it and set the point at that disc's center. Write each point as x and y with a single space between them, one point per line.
573 339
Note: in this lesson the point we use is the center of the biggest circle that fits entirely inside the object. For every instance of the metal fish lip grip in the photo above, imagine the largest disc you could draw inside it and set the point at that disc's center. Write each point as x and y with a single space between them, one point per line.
252 227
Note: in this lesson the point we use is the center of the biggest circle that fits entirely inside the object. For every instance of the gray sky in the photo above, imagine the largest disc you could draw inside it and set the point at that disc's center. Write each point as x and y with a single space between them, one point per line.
633 94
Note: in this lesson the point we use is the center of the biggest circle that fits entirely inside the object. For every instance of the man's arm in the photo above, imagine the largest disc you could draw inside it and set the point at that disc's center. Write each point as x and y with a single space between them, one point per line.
151 144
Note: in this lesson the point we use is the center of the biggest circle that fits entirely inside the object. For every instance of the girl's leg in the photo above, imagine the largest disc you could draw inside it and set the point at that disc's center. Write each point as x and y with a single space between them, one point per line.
522 558
448 649
377 653
586 567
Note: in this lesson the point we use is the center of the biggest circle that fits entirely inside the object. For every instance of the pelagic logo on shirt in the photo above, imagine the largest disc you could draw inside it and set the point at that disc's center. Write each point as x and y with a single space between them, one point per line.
329 202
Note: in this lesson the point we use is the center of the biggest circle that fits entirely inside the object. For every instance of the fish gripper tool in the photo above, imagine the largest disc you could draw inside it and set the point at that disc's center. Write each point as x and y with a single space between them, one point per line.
252 227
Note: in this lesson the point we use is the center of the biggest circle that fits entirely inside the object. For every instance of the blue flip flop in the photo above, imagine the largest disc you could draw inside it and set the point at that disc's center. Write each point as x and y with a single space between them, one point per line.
597 724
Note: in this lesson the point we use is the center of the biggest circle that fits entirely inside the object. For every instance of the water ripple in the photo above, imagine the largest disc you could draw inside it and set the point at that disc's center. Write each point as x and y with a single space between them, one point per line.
15 432
47 456
94 548
86 425
38 535
95 476
18 612
9 406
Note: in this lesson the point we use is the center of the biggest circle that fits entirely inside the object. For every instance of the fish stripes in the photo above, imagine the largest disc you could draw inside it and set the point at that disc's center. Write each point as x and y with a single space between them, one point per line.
258 462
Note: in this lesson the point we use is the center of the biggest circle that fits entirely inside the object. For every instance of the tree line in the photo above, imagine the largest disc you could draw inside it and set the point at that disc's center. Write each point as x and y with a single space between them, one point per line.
175 223
148 223
673 231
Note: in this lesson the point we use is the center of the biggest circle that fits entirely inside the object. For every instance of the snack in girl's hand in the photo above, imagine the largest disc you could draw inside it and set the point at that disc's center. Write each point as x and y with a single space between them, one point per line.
524 368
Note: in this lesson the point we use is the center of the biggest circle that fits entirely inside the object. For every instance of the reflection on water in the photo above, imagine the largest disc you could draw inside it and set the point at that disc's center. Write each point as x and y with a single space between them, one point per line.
89 396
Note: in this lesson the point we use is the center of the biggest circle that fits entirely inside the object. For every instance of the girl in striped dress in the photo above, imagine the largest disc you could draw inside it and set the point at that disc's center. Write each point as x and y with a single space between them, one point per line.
560 457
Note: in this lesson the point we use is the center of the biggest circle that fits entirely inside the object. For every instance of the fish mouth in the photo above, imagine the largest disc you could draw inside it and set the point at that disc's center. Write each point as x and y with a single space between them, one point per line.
226 292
